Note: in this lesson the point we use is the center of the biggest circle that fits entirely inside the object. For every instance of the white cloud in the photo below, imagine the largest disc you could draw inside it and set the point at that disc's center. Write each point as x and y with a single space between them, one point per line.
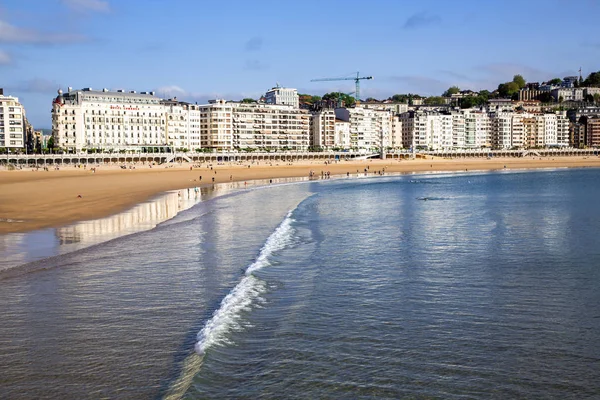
13 34
5 58
88 5
171 91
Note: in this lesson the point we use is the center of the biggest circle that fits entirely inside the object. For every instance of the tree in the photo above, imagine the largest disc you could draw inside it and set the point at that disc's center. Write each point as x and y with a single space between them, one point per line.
484 94
451 90
50 143
348 100
546 97
508 89
371 99
519 80
593 79
555 81
399 98
435 100
597 98
309 98
248 100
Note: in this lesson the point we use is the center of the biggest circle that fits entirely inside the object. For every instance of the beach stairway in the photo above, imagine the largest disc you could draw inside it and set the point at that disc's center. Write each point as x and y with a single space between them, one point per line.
173 157
530 153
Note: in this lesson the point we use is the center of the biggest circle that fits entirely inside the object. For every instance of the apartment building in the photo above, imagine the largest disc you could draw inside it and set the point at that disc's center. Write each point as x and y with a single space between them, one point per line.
458 130
369 128
103 119
477 129
501 127
562 129
12 122
183 125
342 134
283 96
427 130
264 126
322 128
592 131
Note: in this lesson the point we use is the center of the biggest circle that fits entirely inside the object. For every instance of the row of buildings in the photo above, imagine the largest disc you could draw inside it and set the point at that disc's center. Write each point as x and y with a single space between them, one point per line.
103 119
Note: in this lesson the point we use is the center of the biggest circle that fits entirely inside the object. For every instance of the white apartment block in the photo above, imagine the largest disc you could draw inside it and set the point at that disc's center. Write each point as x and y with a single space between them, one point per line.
86 119
396 136
12 122
283 96
216 125
322 128
427 130
369 128
458 130
502 131
562 129
342 134
477 129
550 130
183 125
265 126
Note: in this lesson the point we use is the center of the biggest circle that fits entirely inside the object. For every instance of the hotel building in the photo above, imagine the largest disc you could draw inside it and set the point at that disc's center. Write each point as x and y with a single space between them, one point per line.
12 122
103 119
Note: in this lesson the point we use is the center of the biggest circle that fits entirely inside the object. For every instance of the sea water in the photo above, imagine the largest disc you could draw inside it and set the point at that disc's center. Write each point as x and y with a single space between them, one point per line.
479 285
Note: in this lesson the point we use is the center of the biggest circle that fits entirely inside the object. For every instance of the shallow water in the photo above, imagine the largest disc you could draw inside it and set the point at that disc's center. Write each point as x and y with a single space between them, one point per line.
338 289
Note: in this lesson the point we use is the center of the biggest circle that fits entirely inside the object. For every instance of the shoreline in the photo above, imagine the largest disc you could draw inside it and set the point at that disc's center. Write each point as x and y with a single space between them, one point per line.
49 199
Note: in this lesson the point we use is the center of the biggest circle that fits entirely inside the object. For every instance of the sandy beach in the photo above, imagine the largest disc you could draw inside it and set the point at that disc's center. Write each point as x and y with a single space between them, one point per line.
31 200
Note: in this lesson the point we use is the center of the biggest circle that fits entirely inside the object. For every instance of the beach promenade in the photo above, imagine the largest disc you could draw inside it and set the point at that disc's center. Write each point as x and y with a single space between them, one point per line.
36 198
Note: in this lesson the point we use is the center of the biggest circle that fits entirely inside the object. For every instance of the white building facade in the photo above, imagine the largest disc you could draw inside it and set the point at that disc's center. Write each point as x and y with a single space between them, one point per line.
369 129
107 120
12 122
342 134
283 96
322 129
428 130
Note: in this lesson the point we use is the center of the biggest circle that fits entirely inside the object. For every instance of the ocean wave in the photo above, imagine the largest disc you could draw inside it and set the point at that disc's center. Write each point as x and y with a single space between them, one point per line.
246 295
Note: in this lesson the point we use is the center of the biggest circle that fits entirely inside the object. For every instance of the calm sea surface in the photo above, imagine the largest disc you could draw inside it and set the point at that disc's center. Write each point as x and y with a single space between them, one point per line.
483 285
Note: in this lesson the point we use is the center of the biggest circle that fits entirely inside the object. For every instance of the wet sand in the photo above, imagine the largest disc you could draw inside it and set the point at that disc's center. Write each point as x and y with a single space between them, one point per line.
32 200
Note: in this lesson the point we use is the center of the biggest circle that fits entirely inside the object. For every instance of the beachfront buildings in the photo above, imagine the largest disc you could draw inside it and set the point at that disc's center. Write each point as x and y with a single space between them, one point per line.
269 127
481 129
103 119
427 130
227 126
13 124
369 128
118 120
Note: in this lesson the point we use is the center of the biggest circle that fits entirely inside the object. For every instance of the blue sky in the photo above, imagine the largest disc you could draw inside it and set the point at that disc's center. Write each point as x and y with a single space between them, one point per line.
203 49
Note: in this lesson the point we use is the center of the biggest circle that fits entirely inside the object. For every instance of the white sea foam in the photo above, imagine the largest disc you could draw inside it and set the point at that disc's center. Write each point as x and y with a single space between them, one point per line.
246 295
